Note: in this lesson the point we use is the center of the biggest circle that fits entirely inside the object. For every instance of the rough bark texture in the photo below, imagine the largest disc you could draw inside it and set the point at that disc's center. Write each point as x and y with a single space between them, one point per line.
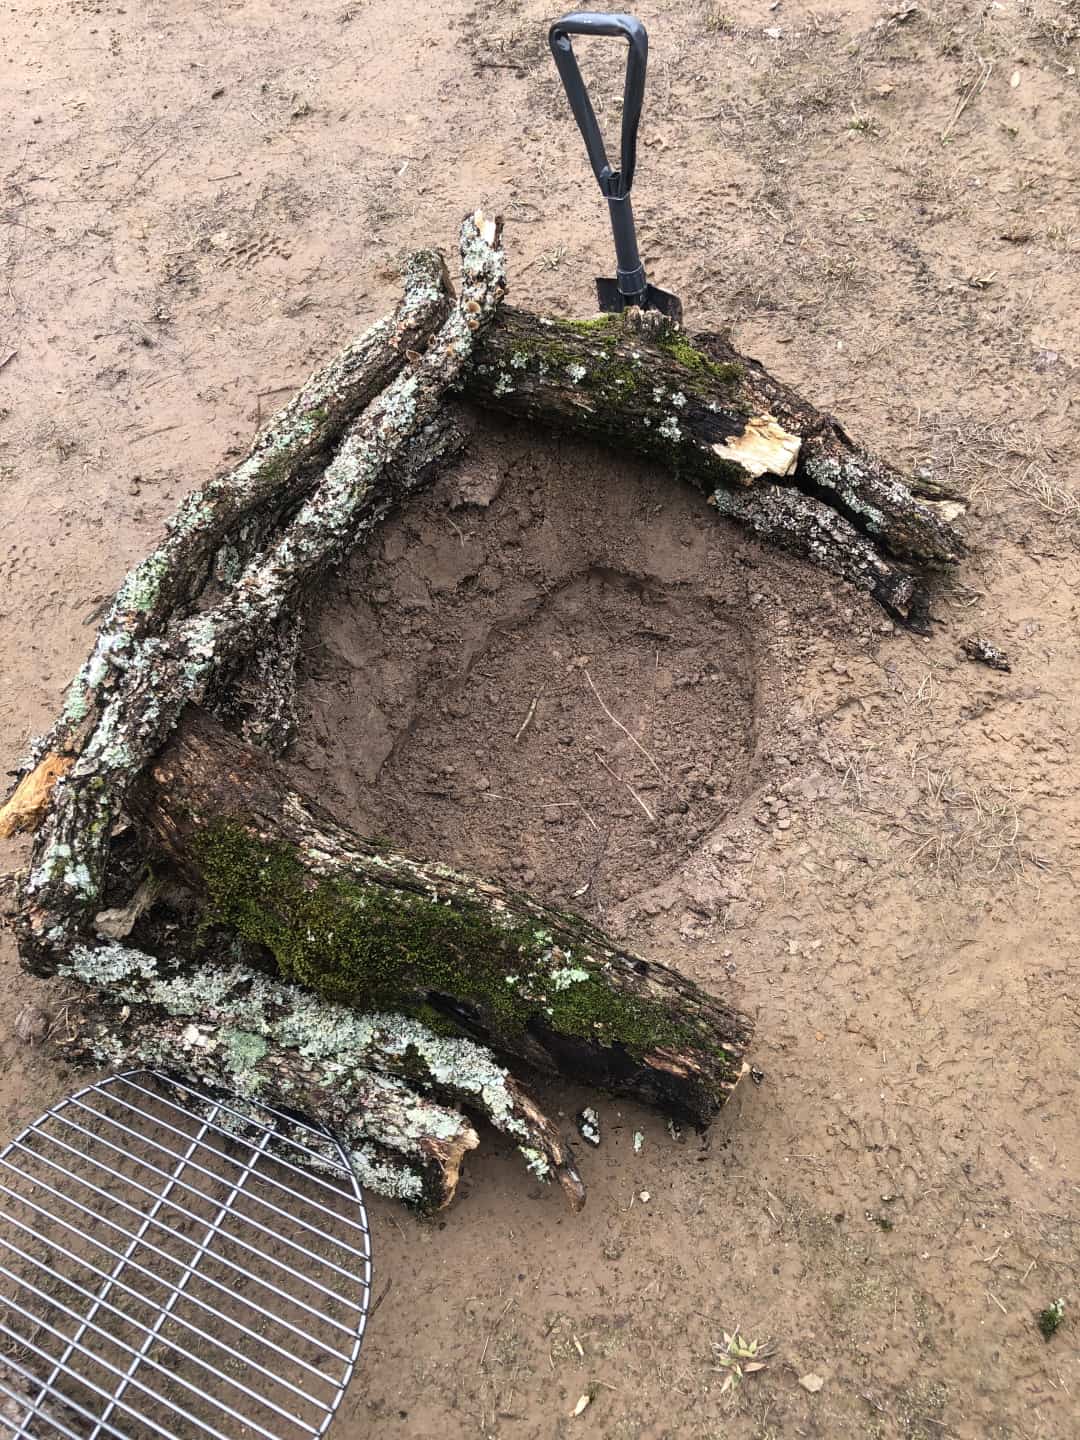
358 924
383 1081
223 524
765 456
159 675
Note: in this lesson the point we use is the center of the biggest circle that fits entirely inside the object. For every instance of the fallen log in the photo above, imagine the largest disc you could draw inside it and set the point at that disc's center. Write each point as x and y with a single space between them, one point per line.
361 925
765 456
160 674
387 1085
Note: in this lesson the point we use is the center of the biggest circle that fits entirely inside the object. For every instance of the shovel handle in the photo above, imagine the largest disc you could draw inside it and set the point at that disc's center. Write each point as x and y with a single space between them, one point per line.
615 184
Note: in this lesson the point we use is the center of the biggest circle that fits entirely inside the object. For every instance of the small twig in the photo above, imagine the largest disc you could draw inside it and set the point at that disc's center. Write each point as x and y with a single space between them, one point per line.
629 787
622 727
382 1296
991 1296
969 94
161 430
528 718
480 63
494 1328
8 359
588 817
149 166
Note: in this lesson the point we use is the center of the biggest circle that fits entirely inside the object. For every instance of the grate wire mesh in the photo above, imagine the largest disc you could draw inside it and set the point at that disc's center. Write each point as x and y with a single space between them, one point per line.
177 1264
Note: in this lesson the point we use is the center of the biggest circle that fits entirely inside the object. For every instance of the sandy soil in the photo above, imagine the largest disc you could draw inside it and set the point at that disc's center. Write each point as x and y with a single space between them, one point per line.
861 837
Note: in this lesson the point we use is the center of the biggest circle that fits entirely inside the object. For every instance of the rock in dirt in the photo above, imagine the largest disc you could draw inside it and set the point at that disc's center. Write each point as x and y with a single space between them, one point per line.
976 648
31 1024
588 1124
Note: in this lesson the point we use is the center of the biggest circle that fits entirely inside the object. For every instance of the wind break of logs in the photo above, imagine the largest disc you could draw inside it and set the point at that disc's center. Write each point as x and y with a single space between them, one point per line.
222 925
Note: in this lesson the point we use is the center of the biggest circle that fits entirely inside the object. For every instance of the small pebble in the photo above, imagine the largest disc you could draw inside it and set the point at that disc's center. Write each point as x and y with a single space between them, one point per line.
588 1124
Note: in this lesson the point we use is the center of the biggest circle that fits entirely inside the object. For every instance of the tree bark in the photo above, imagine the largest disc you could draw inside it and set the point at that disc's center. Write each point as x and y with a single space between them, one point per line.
360 925
763 455
159 675
223 525
387 1083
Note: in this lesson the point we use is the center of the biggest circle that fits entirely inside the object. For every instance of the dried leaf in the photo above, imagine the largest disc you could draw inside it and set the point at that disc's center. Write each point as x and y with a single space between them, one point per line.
581 1406
1014 80
752 1365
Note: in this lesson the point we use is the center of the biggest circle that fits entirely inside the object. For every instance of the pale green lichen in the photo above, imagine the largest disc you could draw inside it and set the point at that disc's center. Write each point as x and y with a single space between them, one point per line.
378 1175
847 481
670 428
536 1161
245 1049
571 975
335 1037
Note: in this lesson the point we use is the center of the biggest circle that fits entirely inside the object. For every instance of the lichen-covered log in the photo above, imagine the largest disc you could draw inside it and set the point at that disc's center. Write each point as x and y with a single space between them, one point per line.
161 674
223 521
365 926
386 1084
696 405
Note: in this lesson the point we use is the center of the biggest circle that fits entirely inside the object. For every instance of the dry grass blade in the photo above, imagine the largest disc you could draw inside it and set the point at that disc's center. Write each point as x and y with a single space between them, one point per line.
633 740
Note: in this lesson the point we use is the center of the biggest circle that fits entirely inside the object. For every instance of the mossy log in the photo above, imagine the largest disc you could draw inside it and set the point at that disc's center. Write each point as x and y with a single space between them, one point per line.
361 925
765 456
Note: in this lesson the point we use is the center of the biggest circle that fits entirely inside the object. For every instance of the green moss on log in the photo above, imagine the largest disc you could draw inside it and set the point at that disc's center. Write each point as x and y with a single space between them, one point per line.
365 945
603 357
677 344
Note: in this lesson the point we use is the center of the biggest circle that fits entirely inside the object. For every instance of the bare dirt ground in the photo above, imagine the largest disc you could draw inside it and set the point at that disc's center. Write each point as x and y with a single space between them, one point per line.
859 836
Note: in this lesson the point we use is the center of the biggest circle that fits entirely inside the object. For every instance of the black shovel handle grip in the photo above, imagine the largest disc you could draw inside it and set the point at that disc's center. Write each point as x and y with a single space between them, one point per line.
615 184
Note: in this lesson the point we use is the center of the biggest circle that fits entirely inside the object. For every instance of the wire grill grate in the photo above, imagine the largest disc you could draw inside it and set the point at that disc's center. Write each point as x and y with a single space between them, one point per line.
177 1264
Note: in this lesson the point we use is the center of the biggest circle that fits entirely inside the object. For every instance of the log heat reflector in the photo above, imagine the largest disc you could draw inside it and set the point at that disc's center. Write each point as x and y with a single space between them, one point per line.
177 1263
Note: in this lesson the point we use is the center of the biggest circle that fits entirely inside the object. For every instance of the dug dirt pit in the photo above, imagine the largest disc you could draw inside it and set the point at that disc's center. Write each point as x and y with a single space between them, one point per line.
543 674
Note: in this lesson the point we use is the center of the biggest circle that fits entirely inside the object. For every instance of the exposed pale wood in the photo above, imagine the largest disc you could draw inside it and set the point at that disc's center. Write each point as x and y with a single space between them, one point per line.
765 456
29 801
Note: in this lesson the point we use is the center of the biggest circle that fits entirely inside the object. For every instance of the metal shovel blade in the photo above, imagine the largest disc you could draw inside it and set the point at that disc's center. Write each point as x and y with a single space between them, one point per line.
612 301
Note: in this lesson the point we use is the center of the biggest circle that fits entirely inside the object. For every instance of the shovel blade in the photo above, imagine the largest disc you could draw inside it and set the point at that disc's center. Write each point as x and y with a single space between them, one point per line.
611 300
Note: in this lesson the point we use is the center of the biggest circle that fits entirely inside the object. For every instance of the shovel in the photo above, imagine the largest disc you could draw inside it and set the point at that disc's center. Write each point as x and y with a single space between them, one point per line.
630 286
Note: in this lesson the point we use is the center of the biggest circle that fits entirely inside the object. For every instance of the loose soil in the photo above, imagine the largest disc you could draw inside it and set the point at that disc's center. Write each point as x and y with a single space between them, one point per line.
858 835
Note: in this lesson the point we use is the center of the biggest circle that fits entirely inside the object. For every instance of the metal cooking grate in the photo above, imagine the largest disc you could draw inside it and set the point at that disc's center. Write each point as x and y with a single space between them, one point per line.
176 1264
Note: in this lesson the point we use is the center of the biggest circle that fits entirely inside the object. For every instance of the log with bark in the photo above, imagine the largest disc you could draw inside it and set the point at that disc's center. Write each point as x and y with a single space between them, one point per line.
382 992
763 455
